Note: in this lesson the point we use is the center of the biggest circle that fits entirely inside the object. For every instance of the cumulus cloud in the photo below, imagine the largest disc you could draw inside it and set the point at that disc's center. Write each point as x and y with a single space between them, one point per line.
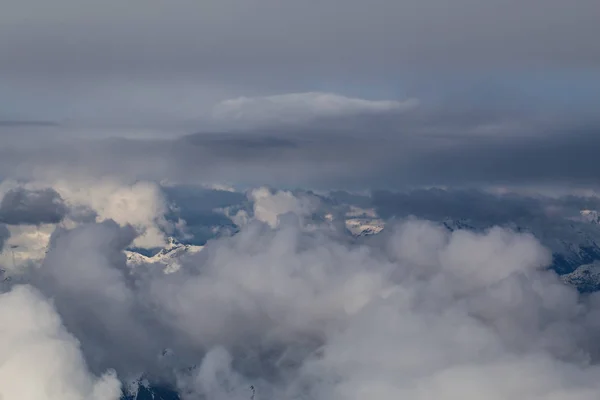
366 329
296 307
301 107
142 205
32 207
419 312
39 359
269 206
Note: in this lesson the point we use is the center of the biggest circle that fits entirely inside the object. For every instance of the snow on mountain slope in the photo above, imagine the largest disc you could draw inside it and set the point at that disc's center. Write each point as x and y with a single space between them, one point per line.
590 216
168 256
364 226
585 278
363 222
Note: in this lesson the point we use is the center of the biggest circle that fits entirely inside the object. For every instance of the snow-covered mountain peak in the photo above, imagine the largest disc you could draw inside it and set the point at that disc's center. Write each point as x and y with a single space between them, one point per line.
363 222
592 216
168 256
172 245
586 278
364 226
172 242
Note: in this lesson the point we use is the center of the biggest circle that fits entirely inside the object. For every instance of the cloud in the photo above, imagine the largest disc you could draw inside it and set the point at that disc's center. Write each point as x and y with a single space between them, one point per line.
297 310
309 37
269 206
32 207
365 315
4 236
467 204
216 379
425 147
293 108
85 274
25 245
288 305
556 220
39 359
142 205
262 94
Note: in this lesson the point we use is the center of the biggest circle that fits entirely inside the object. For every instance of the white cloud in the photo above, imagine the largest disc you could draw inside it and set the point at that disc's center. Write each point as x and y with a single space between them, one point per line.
142 205
431 317
216 378
269 206
39 359
301 107
418 312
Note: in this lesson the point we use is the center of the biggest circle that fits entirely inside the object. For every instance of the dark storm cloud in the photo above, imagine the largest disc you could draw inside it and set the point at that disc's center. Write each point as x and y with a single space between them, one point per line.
389 151
236 146
438 204
563 154
32 207
483 208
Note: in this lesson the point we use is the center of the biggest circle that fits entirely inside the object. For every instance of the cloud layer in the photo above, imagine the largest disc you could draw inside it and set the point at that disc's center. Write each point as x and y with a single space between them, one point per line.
296 307
164 66
421 147
294 108
381 35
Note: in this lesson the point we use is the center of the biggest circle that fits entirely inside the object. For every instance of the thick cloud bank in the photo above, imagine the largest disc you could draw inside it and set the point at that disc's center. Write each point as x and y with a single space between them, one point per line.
302 310
39 359
425 146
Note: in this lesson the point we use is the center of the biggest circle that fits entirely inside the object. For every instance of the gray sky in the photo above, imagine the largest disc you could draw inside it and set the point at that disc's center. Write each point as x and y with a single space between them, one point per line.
381 92
99 60
214 38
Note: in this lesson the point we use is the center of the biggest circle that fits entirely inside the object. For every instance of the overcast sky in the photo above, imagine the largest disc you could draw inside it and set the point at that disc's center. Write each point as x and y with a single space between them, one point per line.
400 82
